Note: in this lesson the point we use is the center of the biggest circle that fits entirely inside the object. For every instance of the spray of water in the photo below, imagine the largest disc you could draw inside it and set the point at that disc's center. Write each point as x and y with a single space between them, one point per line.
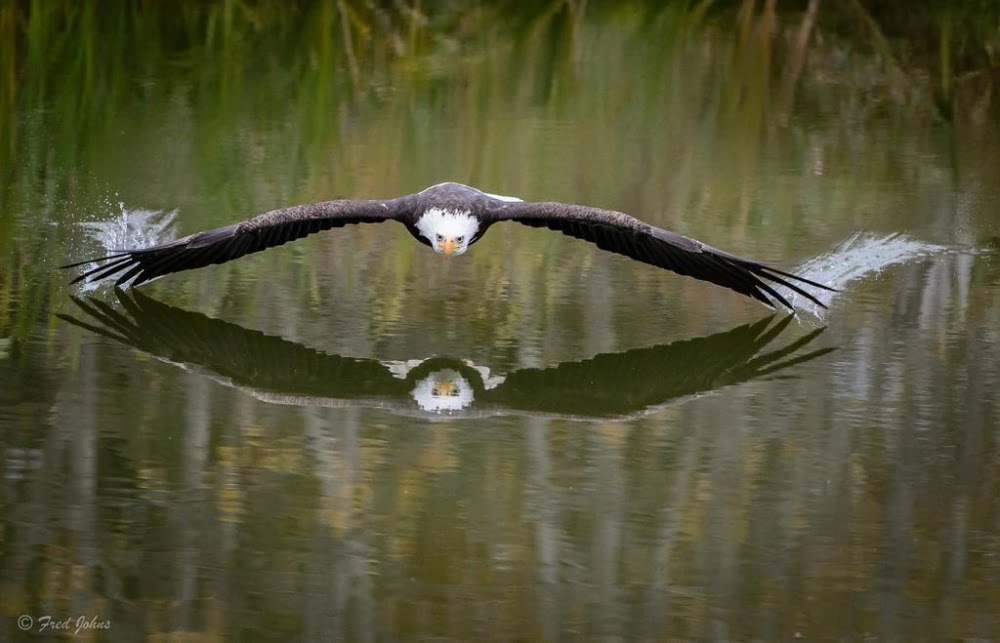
860 256
132 228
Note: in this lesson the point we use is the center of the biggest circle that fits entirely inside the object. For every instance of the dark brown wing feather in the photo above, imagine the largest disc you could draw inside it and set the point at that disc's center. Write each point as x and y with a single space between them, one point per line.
264 231
626 235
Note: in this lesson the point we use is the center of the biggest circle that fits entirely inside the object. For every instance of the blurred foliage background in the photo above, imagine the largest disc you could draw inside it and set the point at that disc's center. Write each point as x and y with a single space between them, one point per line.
76 75
859 497
78 78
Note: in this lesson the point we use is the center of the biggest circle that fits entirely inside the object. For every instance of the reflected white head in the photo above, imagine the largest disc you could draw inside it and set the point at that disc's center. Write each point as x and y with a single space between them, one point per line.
449 231
444 390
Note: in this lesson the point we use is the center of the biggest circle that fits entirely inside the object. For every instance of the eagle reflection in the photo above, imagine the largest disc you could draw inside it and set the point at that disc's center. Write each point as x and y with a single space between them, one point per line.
281 371
444 390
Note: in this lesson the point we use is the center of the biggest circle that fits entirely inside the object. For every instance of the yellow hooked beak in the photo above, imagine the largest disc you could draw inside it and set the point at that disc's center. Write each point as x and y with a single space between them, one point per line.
448 246
443 388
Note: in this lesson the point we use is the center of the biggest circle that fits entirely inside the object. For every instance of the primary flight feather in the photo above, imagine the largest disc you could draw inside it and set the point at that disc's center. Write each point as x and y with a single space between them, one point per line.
450 217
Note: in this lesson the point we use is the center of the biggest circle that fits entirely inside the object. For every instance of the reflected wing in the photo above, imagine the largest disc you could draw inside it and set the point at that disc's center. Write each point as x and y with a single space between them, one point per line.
280 371
245 358
234 241
633 381
626 235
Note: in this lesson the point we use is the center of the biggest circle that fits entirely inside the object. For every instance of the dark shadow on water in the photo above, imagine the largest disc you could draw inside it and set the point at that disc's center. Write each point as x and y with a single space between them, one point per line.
280 371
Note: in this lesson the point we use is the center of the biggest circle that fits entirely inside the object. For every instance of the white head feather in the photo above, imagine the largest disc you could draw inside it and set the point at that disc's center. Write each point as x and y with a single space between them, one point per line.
443 390
500 197
437 226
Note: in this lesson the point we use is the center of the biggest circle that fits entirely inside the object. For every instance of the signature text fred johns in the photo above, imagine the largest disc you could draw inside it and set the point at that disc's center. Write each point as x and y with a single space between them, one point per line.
74 624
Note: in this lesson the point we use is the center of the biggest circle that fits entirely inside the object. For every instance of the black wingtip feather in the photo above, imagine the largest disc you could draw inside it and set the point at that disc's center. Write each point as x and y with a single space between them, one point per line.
799 279
102 271
793 287
758 272
128 274
95 260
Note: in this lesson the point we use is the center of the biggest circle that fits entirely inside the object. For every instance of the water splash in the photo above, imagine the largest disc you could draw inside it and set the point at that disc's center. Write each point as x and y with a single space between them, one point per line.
859 256
132 228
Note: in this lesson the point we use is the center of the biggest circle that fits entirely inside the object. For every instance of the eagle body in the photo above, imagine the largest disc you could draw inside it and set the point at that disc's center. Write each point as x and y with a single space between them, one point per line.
451 217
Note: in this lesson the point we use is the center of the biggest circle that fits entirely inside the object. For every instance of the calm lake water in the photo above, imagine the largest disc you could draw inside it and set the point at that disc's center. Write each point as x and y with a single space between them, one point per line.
354 438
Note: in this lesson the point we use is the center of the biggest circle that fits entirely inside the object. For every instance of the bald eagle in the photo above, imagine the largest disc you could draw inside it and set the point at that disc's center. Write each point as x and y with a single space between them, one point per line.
449 218
280 371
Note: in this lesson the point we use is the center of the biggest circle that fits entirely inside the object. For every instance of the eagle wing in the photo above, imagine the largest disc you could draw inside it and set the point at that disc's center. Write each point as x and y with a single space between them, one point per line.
624 234
613 384
262 364
230 242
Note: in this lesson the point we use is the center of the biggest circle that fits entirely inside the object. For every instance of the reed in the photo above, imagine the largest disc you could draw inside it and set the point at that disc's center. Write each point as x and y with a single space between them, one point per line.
240 106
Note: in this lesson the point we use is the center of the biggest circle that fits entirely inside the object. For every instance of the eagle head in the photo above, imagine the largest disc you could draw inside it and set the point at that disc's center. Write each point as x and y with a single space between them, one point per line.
443 390
448 231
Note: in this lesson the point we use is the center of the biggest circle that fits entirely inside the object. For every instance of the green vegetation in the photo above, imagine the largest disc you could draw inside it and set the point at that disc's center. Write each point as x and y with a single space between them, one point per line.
83 80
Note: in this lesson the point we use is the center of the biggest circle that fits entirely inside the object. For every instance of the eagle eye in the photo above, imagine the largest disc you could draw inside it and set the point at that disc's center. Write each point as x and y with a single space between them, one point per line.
440 238
459 239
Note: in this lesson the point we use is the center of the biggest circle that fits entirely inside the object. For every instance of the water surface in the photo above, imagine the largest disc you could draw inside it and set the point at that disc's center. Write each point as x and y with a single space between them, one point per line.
256 450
